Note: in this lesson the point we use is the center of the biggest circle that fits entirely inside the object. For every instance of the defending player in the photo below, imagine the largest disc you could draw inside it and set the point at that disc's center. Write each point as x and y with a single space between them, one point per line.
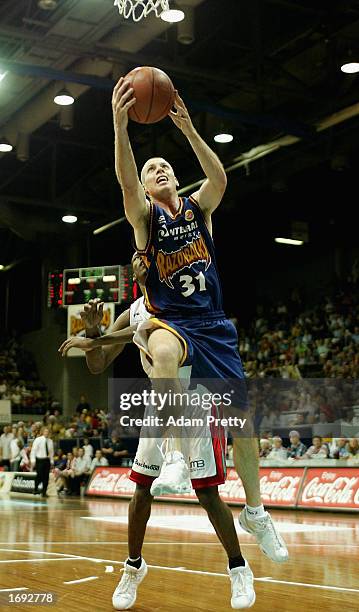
208 450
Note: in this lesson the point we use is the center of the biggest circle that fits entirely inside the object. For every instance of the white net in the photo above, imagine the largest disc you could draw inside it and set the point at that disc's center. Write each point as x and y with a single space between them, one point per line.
137 9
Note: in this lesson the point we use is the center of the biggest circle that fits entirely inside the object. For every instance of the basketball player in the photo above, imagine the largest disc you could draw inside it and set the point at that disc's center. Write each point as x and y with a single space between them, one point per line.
100 352
182 286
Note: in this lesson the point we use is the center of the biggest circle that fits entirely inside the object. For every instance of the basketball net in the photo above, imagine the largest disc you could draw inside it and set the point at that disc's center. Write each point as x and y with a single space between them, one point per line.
137 9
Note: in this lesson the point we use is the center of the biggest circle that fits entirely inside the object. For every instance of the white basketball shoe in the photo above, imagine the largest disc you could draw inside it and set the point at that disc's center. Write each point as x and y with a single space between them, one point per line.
269 540
243 595
174 476
125 593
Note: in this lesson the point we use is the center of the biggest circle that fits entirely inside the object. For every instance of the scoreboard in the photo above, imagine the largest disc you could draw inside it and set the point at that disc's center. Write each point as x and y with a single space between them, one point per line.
108 283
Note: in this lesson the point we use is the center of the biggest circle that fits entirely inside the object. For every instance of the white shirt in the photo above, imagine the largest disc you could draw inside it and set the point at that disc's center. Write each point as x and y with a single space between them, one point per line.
14 450
98 462
88 448
278 453
140 316
81 464
5 440
38 450
138 312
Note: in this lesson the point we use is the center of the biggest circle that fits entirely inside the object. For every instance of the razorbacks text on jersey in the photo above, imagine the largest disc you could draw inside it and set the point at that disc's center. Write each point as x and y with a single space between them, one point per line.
182 272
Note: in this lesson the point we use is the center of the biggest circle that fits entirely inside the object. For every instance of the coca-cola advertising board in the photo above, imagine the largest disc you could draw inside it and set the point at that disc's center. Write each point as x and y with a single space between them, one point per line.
111 482
279 486
330 488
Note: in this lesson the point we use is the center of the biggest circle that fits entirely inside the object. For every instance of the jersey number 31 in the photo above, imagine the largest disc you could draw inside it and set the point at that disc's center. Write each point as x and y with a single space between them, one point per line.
189 286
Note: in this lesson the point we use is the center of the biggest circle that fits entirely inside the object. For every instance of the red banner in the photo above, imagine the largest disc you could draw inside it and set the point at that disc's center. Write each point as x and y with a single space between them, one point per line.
322 488
330 488
113 482
279 486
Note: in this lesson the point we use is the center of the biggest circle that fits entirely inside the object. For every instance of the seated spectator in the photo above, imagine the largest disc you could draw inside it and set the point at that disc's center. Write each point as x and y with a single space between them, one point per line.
350 418
60 460
25 463
5 440
81 471
114 450
88 448
317 450
265 447
64 475
353 447
98 460
15 454
296 449
82 405
82 427
339 449
278 451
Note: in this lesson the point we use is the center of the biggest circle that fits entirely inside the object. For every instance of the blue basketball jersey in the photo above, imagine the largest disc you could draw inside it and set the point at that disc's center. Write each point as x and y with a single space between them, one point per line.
182 276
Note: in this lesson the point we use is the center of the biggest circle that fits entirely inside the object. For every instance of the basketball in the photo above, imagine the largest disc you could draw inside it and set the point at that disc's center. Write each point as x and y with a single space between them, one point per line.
154 93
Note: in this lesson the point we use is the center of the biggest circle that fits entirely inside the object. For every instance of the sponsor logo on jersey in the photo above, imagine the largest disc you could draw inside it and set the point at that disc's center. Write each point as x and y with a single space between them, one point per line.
169 264
197 464
178 231
145 466
189 215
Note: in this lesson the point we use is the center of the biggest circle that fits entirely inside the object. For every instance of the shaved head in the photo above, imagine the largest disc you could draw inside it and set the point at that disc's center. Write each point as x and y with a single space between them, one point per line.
148 164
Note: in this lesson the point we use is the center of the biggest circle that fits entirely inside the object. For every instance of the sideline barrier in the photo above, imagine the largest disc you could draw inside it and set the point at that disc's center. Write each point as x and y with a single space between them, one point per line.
23 483
324 488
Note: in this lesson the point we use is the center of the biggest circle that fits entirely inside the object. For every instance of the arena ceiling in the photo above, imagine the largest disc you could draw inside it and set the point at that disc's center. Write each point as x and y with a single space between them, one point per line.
266 70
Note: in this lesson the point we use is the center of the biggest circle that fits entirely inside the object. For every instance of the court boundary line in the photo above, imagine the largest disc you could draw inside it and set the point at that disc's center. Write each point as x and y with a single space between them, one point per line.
197 572
171 543
81 580
35 560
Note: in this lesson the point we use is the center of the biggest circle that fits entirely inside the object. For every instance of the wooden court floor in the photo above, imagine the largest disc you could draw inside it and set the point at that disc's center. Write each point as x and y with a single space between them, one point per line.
74 548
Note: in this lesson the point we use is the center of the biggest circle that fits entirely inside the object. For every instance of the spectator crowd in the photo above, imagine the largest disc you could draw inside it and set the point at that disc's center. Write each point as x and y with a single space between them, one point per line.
86 433
288 341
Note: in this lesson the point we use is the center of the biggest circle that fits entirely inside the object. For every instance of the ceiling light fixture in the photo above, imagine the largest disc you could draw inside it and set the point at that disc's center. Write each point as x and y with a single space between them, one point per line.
5 145
1 267
69 219
223 138
350 67
64 98
290 241
2 75
172 16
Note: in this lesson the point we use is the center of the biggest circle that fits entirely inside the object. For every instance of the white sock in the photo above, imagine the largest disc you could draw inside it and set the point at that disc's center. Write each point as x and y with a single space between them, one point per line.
255 512
134 560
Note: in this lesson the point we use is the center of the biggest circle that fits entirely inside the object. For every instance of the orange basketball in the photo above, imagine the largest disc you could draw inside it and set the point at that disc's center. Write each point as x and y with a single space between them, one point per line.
154 93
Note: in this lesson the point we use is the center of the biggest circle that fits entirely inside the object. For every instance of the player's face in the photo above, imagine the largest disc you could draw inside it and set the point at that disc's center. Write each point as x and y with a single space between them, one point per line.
139 269
158 177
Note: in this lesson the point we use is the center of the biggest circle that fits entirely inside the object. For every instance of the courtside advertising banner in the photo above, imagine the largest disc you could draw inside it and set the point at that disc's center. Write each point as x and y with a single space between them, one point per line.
112 482
331 488
279 486
75 326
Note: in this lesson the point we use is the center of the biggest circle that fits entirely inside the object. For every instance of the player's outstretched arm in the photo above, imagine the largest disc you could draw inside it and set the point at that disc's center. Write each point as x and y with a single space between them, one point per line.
210 194
98 358
136 206
122 337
